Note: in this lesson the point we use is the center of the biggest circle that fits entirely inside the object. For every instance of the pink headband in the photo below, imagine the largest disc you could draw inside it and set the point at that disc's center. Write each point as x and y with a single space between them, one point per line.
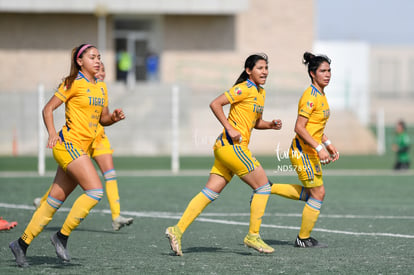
82 50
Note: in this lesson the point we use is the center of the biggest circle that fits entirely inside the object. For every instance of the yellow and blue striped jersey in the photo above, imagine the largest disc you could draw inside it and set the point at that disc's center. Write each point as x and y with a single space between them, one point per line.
247 103
314 106
100 130
84 103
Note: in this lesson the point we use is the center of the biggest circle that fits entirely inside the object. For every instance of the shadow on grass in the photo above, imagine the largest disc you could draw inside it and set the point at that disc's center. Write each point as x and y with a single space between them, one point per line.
277 242
46 261
54 262
246 252
202 249
109 231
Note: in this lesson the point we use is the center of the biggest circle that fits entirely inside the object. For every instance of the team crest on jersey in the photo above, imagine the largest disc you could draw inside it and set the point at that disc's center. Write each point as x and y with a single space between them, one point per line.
238 91
309 104
103 91
88 91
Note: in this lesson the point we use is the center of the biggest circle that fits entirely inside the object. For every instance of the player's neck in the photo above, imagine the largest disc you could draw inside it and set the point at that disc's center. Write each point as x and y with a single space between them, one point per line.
88 76
320 89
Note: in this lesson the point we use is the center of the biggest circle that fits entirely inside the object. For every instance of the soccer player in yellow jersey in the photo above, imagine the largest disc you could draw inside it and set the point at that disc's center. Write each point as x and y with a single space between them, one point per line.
86 105
101 152
232 156
307 152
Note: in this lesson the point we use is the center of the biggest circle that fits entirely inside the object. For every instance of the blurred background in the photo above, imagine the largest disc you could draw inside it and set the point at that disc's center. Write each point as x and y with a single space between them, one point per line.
167 60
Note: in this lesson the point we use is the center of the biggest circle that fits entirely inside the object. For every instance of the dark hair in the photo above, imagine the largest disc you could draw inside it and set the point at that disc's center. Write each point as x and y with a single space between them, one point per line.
314 61
250 63
74 66
402 124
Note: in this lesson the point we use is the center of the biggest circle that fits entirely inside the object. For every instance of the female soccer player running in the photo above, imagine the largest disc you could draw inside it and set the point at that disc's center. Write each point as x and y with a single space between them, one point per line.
101 152
307 152
232 155
86 105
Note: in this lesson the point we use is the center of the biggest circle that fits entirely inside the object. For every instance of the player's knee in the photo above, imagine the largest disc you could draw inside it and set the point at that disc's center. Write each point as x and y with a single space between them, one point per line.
264 189
317 192
321 194
317 196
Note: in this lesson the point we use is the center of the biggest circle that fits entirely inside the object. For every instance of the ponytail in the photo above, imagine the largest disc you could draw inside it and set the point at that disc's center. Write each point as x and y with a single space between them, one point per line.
243 77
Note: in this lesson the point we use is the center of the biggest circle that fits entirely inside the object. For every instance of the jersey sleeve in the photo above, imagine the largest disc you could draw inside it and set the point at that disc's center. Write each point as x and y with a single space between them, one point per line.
63 93
236 94
306 105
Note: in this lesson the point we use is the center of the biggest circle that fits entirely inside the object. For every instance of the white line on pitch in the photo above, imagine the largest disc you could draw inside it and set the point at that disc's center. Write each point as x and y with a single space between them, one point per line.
176 216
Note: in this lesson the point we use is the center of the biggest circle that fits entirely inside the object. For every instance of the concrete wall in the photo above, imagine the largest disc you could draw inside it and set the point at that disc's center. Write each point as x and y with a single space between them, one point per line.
205 53
392 70
36 48
282 29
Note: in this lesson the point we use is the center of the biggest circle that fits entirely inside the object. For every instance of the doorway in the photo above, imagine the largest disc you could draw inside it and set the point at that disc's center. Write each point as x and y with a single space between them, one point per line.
133 45
139 41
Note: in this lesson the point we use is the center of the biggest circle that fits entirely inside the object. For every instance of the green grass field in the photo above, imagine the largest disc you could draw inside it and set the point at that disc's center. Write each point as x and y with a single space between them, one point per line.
367 220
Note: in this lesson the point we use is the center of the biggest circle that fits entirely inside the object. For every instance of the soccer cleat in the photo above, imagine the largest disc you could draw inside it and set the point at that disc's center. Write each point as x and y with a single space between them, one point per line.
19 254
120 222
174 234
254 241
61 250
308 242
36 202
5 225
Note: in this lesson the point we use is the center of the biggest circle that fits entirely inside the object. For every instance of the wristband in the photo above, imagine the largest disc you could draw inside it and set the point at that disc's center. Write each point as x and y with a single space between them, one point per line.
319 148
327 142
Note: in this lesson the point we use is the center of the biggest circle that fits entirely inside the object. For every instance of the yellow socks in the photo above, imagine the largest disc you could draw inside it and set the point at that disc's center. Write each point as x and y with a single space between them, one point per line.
195 207
290 191
111 188
41 217
310 215
258 207
44 198
80 210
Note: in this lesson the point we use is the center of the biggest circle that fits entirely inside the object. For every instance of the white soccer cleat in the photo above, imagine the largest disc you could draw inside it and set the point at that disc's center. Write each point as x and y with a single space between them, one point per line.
120 222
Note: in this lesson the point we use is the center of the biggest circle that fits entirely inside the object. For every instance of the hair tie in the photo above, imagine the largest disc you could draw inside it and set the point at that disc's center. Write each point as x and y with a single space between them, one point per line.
82 50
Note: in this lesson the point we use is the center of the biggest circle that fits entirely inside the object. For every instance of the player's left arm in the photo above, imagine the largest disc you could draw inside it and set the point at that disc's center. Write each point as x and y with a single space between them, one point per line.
108 118
261 124
330 148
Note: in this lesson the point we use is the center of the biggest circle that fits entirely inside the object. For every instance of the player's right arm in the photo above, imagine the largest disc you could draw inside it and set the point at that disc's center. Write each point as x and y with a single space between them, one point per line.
217 107
300 129
47 113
